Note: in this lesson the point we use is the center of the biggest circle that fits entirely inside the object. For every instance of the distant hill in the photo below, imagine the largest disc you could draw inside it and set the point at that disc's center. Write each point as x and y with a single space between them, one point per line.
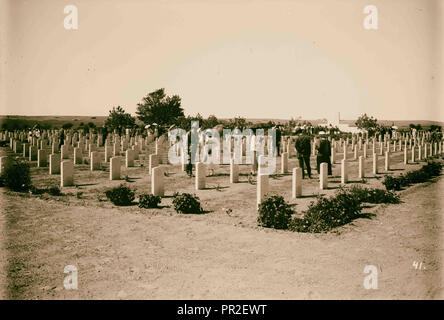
58 121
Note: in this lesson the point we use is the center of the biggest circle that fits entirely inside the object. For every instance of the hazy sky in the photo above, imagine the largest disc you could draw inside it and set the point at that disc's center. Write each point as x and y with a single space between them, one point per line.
256 59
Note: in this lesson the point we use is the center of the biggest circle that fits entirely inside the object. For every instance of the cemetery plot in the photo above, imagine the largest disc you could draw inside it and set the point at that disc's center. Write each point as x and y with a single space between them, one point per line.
159 245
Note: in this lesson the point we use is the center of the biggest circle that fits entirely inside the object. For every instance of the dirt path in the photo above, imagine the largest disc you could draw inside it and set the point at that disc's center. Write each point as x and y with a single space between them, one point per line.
126 254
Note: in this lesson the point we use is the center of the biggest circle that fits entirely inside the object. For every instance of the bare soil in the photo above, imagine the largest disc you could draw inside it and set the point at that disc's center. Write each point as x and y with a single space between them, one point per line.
134 253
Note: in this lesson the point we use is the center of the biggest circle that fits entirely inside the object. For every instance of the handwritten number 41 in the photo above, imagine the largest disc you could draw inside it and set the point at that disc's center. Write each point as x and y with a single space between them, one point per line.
418 265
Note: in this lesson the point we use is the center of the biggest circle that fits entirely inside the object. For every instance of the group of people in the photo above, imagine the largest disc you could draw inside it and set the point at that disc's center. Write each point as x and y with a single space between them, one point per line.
323 147
303 148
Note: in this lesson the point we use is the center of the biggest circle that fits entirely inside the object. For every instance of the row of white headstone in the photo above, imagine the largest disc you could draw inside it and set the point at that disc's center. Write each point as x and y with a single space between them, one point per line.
263 185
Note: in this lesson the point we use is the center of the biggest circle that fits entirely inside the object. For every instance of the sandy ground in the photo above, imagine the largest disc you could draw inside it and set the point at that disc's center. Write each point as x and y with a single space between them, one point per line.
133 253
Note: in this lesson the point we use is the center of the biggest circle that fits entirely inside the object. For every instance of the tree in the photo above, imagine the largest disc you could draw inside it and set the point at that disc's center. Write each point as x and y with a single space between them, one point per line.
67 126
91 125
119 120
238 122
159 108
210 122
367 123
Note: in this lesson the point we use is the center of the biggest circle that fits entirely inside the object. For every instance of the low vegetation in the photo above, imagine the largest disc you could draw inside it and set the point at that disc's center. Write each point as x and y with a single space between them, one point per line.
16 175
121 195
374 195
428 171
324 214
53 191
149 201
187 203
275 213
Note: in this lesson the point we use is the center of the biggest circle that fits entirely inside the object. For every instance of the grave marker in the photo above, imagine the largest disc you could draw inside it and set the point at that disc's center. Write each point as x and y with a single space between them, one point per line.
296 189
67 173
157 183
54 164
114 168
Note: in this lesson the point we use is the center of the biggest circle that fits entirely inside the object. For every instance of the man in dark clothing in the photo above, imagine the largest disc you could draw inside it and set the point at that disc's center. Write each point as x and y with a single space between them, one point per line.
324 153
278 140
303 147
62 138
189 165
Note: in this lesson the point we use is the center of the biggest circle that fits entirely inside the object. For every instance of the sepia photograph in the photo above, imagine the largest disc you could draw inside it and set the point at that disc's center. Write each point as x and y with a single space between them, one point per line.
221 150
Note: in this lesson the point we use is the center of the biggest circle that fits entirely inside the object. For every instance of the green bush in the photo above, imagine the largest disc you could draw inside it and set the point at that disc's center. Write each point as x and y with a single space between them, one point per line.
428 171
54 191
374 195
416 176
392 183
275 213
328 213
149 201
36 191
433 168
121 195
16 175
187 203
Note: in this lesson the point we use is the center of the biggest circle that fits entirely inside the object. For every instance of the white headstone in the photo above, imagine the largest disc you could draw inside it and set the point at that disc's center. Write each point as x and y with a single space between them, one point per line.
54 164
64 152
262 188
107 152
361 167
297 183
284 162
344 171
42 158
234 172
129 158
200 175
114 168
323 178
67 173
375 164
78 156
154 162
157 183
94 161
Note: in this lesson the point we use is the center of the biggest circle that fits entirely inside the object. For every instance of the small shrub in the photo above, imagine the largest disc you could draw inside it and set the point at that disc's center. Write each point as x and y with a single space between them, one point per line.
374 195
187 203
392 183
428 171
16 176
121 195
36 191
54 191
275 213
433 168
416 176
149 201
328 213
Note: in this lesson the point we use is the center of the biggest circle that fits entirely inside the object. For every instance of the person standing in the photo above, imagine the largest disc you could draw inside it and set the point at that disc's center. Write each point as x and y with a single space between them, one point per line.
278 140
61 138
189 166
303 147
324 153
